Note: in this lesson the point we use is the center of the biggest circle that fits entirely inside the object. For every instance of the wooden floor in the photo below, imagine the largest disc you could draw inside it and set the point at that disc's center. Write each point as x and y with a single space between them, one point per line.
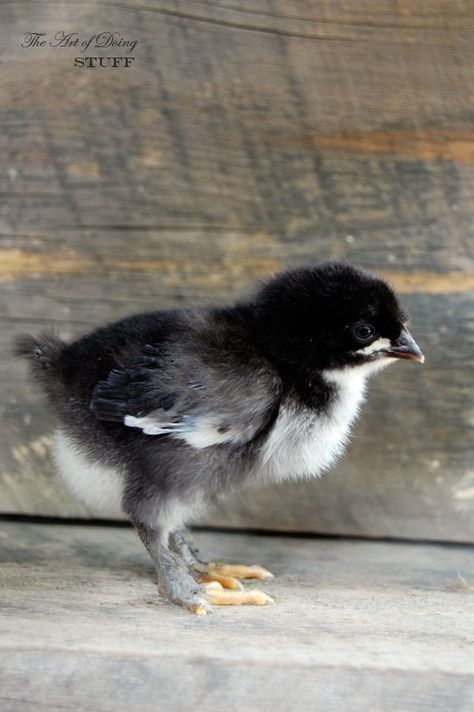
356 625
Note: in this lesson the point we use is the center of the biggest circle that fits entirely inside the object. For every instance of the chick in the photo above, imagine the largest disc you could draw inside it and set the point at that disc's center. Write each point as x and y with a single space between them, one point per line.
161 413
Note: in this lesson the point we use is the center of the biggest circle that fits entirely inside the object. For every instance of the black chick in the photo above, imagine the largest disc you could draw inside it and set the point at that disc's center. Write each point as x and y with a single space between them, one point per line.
162 412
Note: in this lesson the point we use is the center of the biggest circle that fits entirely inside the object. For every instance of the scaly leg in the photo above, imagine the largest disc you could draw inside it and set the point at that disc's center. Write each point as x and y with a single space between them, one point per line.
174 582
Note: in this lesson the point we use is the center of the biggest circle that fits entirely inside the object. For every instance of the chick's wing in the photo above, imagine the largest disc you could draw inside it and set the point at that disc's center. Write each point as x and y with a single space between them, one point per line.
203 399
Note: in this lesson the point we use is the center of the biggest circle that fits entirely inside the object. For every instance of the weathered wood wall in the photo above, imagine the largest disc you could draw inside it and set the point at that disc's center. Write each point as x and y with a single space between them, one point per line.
246 136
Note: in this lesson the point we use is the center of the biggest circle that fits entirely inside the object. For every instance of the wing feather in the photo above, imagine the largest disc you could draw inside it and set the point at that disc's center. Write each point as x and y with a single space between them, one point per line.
179 394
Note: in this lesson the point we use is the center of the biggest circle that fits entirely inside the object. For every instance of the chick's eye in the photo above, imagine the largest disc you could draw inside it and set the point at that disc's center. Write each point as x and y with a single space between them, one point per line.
363 332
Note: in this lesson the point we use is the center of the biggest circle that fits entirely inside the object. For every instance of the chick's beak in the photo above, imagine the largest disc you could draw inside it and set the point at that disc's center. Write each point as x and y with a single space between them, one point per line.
405 347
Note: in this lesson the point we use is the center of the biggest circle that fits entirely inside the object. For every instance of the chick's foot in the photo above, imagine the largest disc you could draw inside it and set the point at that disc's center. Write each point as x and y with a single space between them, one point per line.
228 575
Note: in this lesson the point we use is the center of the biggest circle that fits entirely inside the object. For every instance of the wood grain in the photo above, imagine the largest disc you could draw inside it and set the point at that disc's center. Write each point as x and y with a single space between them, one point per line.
382 624
247 136
17 263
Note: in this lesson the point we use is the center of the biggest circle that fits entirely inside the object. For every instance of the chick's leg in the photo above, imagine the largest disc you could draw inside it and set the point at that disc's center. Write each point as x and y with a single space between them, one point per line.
226 576
174 581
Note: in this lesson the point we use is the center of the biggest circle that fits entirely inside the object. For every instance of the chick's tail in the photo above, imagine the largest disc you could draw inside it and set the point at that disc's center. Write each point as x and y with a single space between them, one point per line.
44 355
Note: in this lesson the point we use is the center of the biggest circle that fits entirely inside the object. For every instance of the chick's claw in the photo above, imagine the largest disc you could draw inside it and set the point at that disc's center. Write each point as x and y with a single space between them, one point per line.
200 608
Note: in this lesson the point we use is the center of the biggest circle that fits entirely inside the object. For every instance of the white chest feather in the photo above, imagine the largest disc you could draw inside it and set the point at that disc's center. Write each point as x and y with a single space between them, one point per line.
303 443
95 485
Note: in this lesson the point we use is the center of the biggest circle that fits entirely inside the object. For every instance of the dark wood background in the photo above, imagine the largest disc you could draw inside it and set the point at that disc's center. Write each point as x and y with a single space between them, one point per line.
249 135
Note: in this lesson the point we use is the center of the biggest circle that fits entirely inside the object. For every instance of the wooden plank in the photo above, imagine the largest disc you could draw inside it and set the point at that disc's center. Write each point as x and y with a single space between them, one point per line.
246 137
82 627
381 624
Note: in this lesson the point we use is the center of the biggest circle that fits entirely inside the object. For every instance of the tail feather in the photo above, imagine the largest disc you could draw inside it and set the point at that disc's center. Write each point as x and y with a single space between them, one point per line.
43 353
